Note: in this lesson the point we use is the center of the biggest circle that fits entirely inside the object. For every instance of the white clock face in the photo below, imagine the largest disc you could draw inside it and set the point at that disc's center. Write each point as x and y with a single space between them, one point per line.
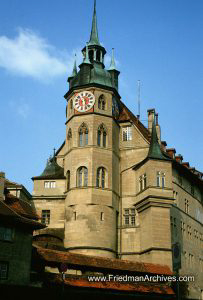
83 101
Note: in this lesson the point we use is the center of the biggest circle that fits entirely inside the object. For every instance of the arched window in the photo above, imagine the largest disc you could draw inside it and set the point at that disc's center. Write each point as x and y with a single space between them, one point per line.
101 136
71 104
98 55
69 136
101 102
101 177
91 55
68 180
83 135
82 177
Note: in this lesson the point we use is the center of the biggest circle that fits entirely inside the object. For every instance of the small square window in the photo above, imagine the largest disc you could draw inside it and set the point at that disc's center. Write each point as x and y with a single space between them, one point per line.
127 133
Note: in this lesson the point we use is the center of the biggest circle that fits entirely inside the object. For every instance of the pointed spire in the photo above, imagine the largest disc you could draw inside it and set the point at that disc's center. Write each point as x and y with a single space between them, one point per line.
86 60
112 65
154 149
74 73
94 38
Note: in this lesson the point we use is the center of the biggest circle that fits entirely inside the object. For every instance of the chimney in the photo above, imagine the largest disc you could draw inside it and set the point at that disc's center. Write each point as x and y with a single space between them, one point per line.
186 164
171 152
163 145
179 158
158 128
151 116
2 183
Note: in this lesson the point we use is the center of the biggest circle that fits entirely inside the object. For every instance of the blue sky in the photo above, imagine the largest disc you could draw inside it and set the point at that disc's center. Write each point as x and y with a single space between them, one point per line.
158 42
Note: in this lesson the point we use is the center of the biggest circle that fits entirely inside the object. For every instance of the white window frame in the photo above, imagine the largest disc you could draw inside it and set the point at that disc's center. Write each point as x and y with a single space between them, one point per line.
127 133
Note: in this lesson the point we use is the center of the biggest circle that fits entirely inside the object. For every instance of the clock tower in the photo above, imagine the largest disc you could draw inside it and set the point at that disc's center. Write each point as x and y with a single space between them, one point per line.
91 153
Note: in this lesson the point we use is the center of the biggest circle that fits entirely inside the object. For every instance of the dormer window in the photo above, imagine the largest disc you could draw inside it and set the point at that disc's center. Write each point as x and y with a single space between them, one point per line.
50 184
127 133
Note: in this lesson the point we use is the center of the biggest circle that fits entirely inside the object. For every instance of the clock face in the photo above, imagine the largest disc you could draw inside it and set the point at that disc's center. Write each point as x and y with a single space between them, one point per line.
83 101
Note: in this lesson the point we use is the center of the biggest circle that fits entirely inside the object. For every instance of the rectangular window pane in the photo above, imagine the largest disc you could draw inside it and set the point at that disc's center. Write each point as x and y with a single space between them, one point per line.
126 220
3 270
127 133
45 216
80 137
47 184
132 220
53 184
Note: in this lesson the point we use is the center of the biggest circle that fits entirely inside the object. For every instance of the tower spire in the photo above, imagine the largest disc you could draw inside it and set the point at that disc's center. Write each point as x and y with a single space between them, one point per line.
112 65
154 149
74 68
94 38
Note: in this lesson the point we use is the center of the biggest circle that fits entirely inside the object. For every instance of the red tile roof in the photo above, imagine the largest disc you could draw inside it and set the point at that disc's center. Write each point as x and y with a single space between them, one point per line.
127 115
10 216
21 207
53 257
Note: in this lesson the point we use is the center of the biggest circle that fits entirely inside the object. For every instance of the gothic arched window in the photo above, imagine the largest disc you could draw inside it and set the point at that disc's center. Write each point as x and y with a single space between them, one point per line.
71 104
69 136
68 180
82 177
101 136
101 102
101 177
83 135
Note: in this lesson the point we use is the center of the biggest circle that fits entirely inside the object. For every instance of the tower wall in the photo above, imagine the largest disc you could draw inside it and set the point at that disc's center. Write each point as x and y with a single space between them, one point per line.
91 211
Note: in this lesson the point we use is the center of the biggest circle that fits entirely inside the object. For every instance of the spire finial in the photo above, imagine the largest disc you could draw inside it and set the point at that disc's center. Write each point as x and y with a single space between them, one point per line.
112 65
94 37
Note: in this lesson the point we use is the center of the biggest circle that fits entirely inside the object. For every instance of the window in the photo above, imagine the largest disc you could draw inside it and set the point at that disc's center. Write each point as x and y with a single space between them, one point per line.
68 180
127 133
142 182
186 206
3 270
75 215
83 135
69 135
6 234
101 178
160 179
82 177
101 102
189 232
71 104
102 216
46 217
183 228
129 216
50 184
101 136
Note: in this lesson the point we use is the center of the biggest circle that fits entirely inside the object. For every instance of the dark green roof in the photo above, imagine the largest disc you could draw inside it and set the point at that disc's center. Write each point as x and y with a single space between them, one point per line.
154 149
97 75
52 170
